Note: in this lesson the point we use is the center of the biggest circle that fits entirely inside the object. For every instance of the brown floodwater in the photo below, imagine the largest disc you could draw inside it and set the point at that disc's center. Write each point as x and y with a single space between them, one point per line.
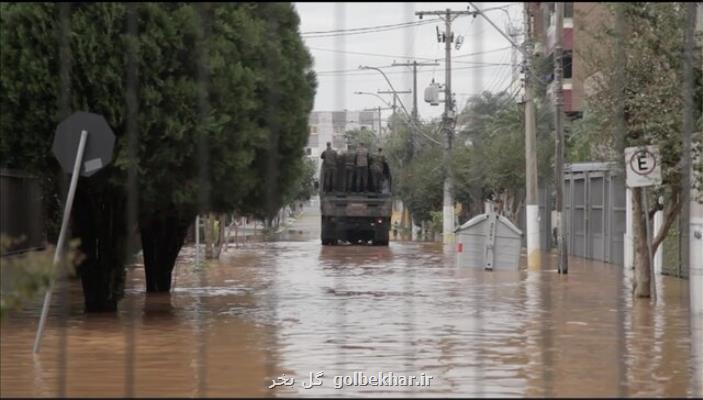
294 307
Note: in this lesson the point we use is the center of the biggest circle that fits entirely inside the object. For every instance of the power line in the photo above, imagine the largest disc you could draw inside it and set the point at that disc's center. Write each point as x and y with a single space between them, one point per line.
384 27
367 31
404 56
484 52
402 24
355 72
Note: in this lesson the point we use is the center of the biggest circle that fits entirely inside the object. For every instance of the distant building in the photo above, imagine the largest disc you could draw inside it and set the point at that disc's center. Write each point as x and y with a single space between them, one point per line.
580 19
330 126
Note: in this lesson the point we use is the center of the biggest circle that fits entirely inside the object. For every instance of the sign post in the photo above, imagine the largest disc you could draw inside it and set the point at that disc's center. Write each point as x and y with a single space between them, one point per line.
643 165
98 153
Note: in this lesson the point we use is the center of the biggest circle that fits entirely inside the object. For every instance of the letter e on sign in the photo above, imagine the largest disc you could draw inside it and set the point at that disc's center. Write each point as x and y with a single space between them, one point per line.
643 166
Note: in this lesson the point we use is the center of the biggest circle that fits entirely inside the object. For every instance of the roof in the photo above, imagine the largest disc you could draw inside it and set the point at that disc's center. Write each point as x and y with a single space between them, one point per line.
482 217
590 166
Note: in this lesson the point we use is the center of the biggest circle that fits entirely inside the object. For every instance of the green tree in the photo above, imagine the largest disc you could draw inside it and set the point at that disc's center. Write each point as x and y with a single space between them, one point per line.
258 86
652 103
364 136
489 155
417 177
304 183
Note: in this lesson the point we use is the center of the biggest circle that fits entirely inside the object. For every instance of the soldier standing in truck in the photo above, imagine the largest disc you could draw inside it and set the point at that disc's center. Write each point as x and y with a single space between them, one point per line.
377 162
349 161
329 168
362 168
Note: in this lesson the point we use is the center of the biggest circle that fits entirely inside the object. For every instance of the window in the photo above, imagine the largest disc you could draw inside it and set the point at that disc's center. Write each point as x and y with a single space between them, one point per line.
549 16
567 62
314 140
313 129
568 10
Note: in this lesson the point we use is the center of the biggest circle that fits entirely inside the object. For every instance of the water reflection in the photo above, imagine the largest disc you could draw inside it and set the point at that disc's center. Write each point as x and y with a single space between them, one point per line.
295 307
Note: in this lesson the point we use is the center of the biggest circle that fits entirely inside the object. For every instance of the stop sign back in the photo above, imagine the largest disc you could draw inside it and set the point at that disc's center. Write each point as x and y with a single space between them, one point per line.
98 148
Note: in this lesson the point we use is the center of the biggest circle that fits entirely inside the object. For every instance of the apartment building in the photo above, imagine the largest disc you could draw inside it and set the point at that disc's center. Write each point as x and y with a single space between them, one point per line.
579 22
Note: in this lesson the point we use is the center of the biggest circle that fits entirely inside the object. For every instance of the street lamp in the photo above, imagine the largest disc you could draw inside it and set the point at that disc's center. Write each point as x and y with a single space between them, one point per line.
389 84
411 121
374 94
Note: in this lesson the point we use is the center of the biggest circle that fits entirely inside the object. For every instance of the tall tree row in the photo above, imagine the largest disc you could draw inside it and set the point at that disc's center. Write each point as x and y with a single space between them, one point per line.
259 88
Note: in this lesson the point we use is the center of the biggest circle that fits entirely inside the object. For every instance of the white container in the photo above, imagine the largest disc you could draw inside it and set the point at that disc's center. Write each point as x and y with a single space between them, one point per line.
488 241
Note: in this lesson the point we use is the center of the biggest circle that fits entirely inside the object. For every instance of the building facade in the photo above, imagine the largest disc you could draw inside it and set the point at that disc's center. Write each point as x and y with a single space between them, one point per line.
579 22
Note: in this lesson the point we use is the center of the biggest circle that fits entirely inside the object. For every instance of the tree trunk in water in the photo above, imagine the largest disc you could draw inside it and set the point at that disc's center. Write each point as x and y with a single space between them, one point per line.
99 222
642 267
208 230
220 240
162 239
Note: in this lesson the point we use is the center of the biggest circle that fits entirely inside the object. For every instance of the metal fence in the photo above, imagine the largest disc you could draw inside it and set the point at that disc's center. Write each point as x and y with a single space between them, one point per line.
21 212
594 208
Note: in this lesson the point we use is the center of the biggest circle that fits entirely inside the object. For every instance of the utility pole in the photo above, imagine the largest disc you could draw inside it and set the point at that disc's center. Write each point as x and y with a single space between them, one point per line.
531 199
415 114
559 142
395 95
414 64
379 108
531 196
406 220
448 119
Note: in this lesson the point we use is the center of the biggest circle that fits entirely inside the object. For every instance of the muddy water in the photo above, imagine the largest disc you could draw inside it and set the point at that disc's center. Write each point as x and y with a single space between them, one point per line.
293 307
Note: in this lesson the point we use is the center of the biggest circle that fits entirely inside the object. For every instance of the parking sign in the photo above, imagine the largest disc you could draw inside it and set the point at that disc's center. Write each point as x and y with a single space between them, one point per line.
643 166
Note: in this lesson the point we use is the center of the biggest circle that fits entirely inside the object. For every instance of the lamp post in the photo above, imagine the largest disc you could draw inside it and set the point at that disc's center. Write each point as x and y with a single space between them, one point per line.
377 96
389 84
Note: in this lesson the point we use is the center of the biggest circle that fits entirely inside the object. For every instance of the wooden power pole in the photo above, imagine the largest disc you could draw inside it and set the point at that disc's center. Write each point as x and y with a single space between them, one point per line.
448 120
531 194
559 142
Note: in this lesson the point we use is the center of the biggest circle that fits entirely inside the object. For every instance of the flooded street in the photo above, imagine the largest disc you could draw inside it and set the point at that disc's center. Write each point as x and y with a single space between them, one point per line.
295 307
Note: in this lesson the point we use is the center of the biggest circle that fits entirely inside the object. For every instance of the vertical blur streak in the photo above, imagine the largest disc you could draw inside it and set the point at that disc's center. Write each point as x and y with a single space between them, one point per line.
64 108
131 215
477 87
546 332
340 22
270 182
477 26
202 50
620 148
687 262
409 276
689 119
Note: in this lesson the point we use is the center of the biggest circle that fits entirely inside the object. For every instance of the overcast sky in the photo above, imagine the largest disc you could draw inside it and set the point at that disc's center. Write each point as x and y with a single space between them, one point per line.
337 58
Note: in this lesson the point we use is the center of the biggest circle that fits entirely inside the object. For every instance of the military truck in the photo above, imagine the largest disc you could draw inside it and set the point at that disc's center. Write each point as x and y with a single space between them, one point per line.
356 217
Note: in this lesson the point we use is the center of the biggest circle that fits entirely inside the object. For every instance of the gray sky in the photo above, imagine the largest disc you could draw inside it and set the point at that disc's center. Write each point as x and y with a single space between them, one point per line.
337 64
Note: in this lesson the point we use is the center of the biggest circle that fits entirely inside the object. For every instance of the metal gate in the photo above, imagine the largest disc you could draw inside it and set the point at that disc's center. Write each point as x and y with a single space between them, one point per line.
594 209
21 211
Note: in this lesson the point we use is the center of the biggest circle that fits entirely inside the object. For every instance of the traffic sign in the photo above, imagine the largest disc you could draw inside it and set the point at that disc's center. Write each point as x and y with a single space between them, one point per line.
643 166
83 144
99 145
